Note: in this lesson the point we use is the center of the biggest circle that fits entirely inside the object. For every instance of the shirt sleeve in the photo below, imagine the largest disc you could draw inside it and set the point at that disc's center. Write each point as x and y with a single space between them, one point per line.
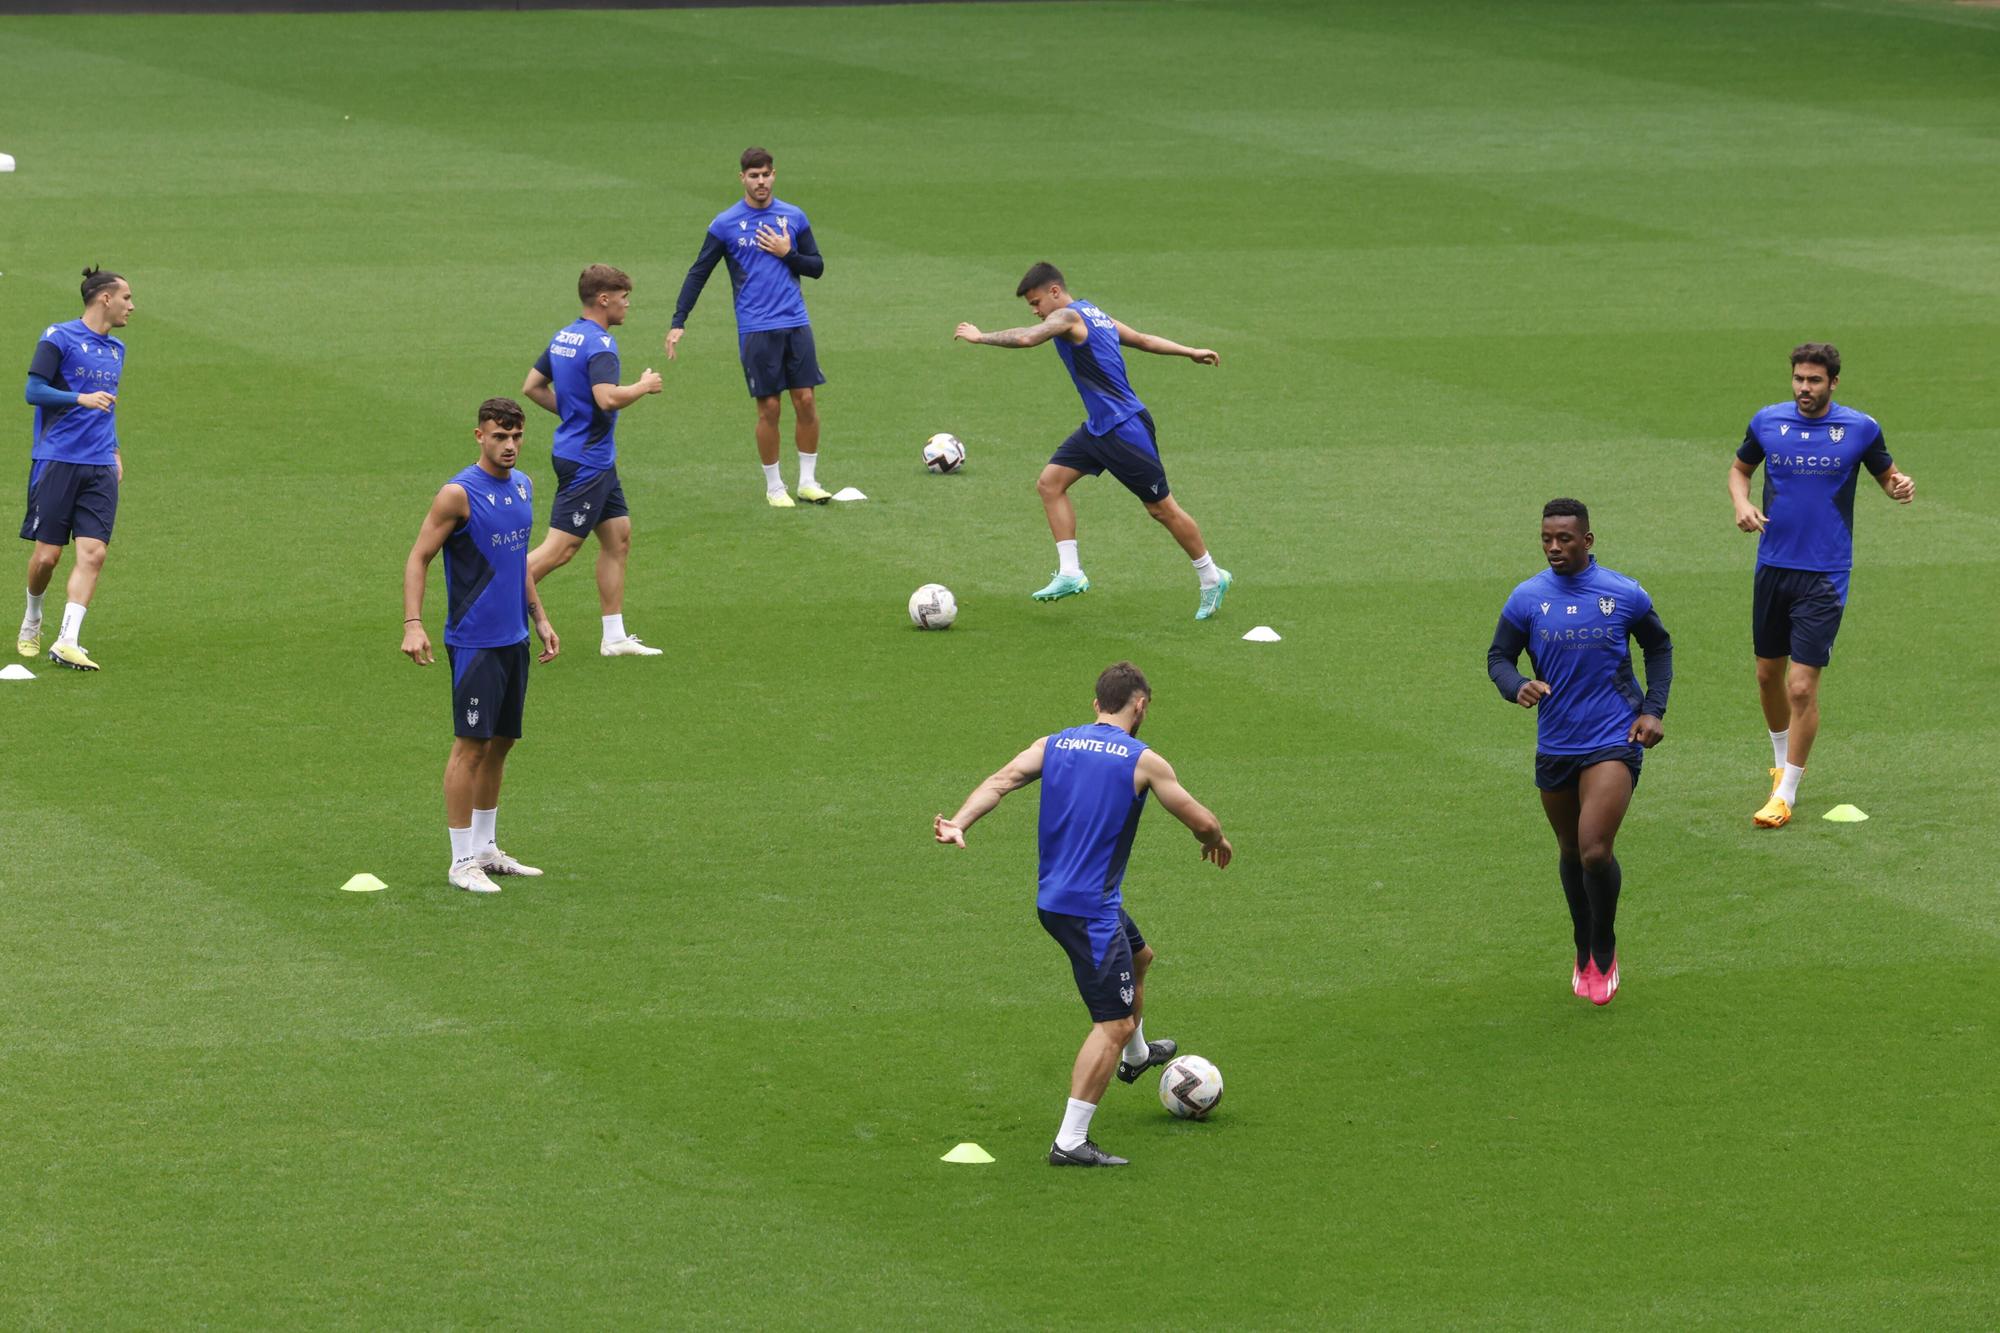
47 362
697 277
604 368
41 393
545 367
1750 452
805 259
1658 648
1509 639
1876 456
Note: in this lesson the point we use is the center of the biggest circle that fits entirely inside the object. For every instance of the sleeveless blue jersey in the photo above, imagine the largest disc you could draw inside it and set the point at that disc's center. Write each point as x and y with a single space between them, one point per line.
580 357
1577 630
1811 465
1089 816
71 357
1098 367
486 561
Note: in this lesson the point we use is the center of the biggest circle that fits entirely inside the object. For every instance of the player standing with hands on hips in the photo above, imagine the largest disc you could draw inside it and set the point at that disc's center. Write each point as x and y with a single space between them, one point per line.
1594 727
1095 780
481 519
1812 450
768 245
75 465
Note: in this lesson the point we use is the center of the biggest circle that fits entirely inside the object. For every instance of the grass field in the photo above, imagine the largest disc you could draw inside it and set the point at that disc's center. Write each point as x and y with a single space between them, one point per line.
1458 258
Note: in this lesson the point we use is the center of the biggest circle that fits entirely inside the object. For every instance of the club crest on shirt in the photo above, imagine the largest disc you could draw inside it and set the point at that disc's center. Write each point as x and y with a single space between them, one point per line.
1837 432
521 489
1607 604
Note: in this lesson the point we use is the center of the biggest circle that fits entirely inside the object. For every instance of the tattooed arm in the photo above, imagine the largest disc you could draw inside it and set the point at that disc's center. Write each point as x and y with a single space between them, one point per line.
1063 323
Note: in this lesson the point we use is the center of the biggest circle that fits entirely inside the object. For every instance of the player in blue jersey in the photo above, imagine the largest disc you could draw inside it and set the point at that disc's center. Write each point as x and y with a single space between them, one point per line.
576 379
1812 450
1117 435
481 520
768 245
1095 780
1594 727
75 466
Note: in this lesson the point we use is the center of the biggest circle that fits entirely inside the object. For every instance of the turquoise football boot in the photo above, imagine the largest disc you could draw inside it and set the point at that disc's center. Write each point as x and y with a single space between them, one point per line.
1061 586
1211 598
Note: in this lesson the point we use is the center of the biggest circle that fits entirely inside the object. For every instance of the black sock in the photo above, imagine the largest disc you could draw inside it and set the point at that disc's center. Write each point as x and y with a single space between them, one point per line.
1601 884
1579 906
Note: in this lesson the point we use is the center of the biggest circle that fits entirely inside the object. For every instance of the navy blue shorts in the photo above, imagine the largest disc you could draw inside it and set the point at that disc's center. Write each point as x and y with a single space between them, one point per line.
1100 953
489 690
581 505
1557 772
1795 613
775 360
1130 452
66 498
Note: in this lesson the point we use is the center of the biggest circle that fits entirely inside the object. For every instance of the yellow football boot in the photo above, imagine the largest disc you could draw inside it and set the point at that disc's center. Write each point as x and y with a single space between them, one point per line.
71 656
29 644
1775 814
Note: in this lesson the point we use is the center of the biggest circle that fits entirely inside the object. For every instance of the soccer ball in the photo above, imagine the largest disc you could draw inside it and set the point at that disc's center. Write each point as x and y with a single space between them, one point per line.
943 453
1190 1087
933 607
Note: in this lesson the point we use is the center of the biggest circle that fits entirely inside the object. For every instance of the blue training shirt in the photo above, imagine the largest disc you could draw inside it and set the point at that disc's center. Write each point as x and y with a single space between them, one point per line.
1088 819
1097 364
1811 465
1577 629
767 289
579 357
486 561
71 357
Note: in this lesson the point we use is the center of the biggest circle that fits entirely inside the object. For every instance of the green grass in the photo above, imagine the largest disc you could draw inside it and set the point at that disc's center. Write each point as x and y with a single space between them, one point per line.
1458 258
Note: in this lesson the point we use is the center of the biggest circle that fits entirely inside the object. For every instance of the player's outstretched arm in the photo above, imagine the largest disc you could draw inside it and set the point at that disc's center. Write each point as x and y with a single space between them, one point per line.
1158 775
617 397
1158 346
1060 322
1019 771
448 510
539 390
1748 516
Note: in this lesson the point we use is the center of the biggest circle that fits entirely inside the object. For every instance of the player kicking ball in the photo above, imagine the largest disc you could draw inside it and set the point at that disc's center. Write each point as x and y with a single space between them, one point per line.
576 379
481 519
1095 780
1812 450
75 465
1117 435
1594 729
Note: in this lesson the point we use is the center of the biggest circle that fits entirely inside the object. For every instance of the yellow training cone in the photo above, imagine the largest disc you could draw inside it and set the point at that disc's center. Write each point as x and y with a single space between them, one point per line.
968 1152
363 883
1844 814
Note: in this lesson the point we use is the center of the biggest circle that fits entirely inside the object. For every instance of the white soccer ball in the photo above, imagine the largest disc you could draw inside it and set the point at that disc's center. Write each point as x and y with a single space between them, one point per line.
1190 1087
944 453
933 607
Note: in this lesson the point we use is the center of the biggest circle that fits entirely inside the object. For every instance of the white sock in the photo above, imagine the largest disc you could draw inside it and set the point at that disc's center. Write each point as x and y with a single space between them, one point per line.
773 479
614 628
461 843
482 829
1778 742
1205 570
1788 785
72 621
808 468
34 616
1076 1124
1066 561
1136 1050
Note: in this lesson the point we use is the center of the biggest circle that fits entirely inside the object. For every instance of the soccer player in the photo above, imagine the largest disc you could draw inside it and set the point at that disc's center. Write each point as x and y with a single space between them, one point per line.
1094 784
1812 449
75 465
481 519
1117 435
769 246
576 378
1594 727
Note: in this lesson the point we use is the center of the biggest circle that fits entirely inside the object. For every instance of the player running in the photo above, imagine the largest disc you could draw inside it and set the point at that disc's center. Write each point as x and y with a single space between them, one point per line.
75 465
481 520
1094 784
1117 435
1594 728
769 246
1810 448
576 378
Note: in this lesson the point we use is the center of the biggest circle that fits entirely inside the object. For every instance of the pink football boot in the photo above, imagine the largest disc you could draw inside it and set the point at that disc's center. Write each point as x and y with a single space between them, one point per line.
1577 984
1603 985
